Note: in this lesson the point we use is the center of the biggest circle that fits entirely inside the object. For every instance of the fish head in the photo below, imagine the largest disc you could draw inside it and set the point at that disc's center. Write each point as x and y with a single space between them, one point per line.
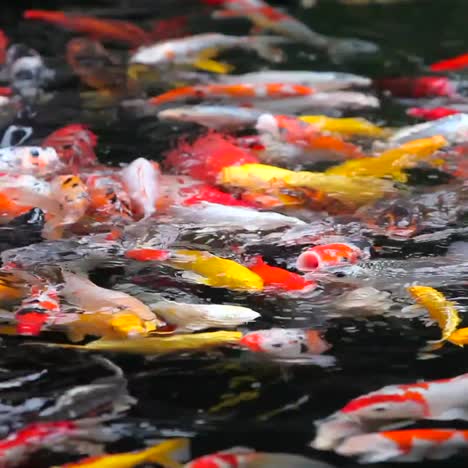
37 158
387 406
333 430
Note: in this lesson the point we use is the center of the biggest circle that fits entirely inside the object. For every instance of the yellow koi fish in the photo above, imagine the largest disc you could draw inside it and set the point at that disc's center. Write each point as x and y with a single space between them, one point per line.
159 344
160 454
391 163
216 271
358 190
440 309
346 126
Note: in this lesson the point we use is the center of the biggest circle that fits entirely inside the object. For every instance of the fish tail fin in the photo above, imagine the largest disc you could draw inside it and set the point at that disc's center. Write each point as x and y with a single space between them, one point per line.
167 453
265 47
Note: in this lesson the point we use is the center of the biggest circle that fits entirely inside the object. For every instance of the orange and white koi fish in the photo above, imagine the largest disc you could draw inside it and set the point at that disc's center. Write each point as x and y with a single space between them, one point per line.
200 47
236 92
266 17
285 342
321 81
113 30
410 445
29 160
329 255
37 309
74 145
213 116
80 291
108 198
442 400
240 457
279 278
141 179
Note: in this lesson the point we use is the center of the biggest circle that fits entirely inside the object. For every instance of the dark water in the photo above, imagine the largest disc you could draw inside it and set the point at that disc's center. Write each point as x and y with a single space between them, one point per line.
228 398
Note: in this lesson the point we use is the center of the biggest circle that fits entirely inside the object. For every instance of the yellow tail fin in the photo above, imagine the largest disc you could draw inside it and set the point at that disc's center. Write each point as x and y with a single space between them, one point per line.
167 453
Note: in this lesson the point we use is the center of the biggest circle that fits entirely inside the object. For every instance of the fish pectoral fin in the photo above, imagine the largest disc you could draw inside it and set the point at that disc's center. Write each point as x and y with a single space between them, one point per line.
75 335
195 278
453 413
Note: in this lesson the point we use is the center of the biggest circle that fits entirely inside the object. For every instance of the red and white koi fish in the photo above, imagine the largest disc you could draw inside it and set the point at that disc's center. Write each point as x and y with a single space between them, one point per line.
19 446
320 81
206 157
410 445
34 160
279 278
241 457
285 342
329 255
290 140
212 116
141 179
233 92
452 64
190 50
37 309
442 400
266 17
418 87
96 28
74 145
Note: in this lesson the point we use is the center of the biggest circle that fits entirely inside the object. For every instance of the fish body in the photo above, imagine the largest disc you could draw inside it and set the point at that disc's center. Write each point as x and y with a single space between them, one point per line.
440 309
213 116
233 217
418 87
216 271
452 64
346 126
160 453
195 317
233 92
141 179
410 445
391 162
279 278
285 342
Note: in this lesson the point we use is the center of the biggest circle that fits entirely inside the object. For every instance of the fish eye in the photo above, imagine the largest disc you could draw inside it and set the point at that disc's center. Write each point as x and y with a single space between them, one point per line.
35 153
340 274
379 409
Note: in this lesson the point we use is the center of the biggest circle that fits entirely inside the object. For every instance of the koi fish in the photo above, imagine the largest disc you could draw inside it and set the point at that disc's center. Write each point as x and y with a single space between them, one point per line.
285 342
108 198
453 128
345 126
37 309
451 64
80 291
113 30
434 113
194 317
74 145
329 255
161 345
279 278
201 47
266 17
247 458
289 139
320 81
215 271
148 255
111 326
410 445
29 160
161 454
95 66
441 400
141 180
418 87
237 92
392 162
212 116
342 188
19 446
207 156
212 215
72 195
23 230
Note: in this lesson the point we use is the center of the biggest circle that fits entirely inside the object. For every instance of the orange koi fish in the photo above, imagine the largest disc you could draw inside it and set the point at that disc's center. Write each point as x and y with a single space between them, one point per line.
236 92
113 30
279 278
